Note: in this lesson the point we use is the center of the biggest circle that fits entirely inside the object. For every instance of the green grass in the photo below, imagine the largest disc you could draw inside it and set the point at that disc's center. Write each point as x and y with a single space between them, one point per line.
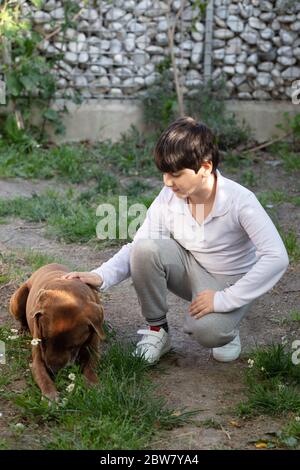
68 217
273 383
277 198
289 436
77 163
248 178
19 266
210 423
124 412
4 278
290 158
291 243
66 162
3 444
233 161
294 315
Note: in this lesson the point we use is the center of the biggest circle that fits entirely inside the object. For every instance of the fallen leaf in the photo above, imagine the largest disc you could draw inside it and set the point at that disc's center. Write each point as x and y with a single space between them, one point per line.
235 424
261 445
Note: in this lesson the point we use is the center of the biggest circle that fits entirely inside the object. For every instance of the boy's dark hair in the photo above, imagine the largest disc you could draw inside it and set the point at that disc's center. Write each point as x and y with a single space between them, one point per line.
186 143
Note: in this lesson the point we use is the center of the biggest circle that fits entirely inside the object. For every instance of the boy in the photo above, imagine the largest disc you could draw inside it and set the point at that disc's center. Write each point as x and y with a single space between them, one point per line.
205 238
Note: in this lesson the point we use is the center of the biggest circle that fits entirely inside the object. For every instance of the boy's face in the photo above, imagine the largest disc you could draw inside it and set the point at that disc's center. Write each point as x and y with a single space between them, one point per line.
186 182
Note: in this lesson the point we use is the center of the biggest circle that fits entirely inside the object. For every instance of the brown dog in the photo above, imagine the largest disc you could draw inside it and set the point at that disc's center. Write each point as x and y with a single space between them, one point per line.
65 318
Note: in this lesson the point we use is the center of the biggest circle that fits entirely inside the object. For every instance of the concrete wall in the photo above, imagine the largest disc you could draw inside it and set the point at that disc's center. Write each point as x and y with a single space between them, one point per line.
108 119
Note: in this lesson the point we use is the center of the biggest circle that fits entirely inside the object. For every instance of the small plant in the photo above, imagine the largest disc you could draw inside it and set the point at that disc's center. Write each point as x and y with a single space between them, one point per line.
291 127
210 423
234 162
208 105
273 382
132 154
248 178
160 105
29 77
294 315
291 243
289 436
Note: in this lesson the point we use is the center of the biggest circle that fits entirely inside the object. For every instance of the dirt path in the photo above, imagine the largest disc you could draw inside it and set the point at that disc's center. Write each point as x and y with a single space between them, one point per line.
191 378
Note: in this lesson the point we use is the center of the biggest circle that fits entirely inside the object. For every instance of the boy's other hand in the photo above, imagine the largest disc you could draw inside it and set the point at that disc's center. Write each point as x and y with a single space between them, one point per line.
92 279
202 304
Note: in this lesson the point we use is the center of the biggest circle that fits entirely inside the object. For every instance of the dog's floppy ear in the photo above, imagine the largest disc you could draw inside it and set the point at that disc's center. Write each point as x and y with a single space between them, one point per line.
95 318
37 331
37 314
17 305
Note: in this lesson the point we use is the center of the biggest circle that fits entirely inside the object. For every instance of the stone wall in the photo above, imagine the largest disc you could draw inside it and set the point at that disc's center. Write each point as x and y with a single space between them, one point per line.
257 47
116 45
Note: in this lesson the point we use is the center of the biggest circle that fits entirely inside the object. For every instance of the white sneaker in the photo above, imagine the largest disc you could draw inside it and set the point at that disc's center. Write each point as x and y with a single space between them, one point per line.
152 345
229 352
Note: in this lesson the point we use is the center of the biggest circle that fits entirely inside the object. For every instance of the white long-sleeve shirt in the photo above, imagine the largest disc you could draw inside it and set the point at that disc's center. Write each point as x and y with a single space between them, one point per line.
237 237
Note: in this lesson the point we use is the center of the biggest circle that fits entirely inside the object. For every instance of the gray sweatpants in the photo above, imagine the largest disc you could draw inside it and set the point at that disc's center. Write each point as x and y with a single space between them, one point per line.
161 265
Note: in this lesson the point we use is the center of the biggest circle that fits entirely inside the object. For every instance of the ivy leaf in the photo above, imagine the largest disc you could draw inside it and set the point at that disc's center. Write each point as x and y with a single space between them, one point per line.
37 3
290 441
14 87
28 83
51 115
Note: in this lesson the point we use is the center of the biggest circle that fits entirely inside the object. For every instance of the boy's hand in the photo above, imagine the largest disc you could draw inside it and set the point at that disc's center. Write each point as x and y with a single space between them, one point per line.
202 304
92 279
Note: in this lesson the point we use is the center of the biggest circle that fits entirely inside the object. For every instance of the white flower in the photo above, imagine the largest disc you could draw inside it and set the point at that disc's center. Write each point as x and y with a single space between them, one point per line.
70 387
297 418
19 426
1 414
35 341
72 376
262 369
13 337
284 340
63 402
13 330
251 363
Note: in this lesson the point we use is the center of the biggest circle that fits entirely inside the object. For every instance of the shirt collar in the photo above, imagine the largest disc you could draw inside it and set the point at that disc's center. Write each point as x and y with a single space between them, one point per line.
222 201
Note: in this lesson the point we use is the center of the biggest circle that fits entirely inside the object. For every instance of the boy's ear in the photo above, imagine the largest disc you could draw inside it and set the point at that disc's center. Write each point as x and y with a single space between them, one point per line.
206 168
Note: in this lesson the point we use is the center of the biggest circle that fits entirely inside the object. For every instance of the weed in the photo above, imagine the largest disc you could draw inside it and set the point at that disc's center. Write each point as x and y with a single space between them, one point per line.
294 315
248 178
209 105
289 436
273 382
291 243
160 105
233 161
210 423
291 126
3 444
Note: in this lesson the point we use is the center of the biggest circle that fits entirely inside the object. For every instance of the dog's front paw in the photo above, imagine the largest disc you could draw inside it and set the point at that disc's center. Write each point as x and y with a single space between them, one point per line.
91 377
51 395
